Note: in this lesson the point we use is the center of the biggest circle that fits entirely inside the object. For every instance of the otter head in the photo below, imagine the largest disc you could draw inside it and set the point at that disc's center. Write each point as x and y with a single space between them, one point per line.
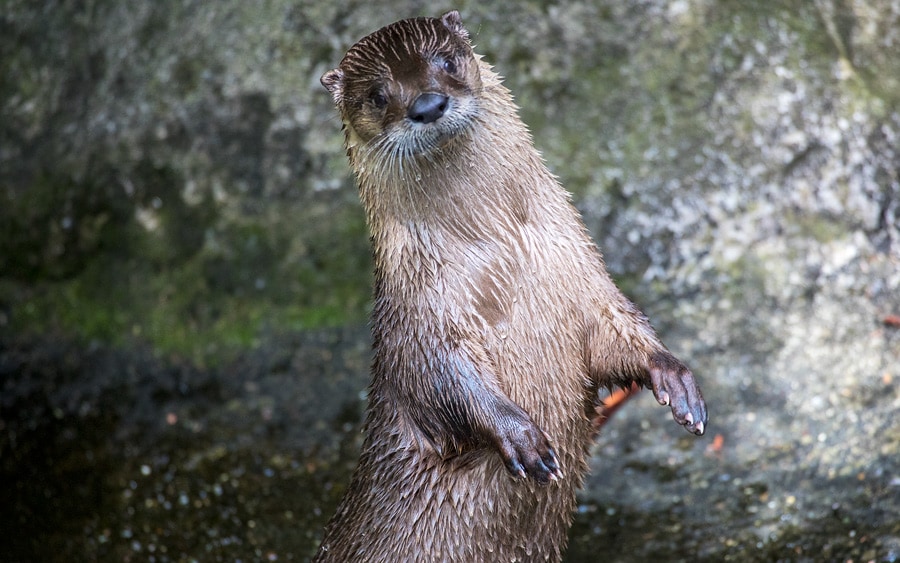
408 88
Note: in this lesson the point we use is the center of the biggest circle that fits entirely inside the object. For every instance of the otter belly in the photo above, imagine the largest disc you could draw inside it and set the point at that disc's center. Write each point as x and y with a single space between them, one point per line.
408 504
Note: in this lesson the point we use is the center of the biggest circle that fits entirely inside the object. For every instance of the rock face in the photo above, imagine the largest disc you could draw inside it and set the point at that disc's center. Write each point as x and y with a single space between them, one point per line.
172 174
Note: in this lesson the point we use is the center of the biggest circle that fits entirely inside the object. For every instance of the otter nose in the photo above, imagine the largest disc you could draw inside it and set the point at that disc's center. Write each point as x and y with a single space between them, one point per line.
428 107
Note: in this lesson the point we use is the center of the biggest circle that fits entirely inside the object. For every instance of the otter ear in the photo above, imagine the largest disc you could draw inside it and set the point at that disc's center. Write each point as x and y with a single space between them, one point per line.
333 81
453 22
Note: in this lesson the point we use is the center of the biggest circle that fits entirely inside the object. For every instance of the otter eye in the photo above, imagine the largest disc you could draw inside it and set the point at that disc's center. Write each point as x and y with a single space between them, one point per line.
449 66
378 99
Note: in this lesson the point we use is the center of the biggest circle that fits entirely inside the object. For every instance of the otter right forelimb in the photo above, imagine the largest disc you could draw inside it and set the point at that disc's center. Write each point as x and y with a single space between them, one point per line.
458 407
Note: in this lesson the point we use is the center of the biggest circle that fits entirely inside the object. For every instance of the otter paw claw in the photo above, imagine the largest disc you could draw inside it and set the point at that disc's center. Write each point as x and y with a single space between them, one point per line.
674 385
526 452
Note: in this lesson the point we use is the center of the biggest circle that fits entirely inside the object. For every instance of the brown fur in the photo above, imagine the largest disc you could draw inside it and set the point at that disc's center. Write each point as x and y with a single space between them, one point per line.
495 321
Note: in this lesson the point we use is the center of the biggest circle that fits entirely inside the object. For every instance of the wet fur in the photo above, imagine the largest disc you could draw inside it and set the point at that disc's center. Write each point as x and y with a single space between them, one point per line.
495 322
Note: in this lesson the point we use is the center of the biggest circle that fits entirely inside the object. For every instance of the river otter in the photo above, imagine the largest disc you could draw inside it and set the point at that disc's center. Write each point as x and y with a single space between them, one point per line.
495 322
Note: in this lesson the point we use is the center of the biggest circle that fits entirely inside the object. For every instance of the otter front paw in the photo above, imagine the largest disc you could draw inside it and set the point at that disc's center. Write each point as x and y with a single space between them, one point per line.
674 385
526 450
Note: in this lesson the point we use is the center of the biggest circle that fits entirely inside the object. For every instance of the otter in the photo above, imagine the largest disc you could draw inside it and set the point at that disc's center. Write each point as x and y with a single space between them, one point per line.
495 323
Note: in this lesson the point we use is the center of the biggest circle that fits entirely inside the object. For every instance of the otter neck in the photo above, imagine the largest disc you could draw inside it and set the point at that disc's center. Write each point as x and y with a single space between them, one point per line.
481 181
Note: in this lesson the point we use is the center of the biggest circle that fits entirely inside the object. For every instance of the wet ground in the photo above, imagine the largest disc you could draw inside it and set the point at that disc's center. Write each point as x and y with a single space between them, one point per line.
114 455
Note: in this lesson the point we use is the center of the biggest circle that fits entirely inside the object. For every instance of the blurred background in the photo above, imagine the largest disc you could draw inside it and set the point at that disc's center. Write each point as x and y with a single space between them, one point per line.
185 269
